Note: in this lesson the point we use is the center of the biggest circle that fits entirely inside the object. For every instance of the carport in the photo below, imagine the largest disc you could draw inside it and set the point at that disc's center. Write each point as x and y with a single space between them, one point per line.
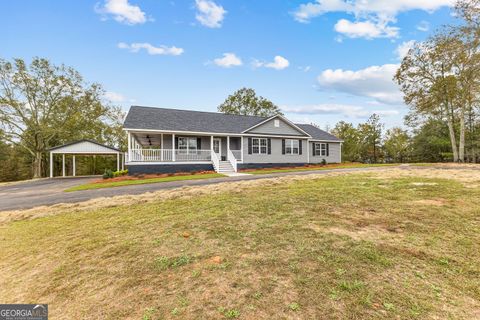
84 147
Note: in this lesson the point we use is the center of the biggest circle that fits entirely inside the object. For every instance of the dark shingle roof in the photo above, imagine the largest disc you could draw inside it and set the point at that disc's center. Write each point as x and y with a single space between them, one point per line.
200 121
317 133
187 120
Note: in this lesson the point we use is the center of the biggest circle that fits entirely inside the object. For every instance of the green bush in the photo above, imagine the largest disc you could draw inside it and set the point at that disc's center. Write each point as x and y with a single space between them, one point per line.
324 162
108 174
118 173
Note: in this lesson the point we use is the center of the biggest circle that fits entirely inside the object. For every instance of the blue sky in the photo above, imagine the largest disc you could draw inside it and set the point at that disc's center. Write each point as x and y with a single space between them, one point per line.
321 61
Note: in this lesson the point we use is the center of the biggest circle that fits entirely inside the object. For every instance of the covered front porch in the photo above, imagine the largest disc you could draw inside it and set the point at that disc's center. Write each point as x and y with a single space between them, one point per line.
170 148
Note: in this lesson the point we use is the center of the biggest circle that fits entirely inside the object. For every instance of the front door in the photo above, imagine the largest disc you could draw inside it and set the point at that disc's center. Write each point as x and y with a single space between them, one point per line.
217 146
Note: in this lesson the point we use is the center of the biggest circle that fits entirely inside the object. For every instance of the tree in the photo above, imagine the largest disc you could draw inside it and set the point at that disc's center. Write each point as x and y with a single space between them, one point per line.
43 104
430 141
351 140
246 102
440 77
371 138
397 144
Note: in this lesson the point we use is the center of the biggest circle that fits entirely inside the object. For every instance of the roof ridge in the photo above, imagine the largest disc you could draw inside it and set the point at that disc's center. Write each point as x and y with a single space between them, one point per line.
212 112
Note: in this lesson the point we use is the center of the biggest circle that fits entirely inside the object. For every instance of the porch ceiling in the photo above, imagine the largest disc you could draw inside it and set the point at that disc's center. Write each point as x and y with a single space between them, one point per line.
148 139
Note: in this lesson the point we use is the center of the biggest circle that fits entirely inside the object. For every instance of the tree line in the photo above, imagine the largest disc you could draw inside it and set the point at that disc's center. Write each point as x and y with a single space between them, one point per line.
370 142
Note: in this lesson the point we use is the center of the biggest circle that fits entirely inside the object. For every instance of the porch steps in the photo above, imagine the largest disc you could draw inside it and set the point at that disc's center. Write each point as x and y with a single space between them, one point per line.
225 167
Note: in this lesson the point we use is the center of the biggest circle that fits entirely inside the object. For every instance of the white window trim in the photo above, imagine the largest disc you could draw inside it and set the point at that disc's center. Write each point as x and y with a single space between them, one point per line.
260 145
276 123
188 150
291 147
322 149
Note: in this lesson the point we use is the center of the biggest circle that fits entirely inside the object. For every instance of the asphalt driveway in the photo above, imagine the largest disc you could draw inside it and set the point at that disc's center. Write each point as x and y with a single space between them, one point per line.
51 191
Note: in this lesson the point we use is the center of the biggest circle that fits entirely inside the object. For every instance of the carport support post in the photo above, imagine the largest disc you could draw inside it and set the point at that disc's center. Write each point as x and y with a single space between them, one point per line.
51 165
74 167
63 164
118 161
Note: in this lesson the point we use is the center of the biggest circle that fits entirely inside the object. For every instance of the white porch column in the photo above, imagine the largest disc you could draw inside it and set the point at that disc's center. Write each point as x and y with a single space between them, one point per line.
74 167
63 164
161 147
173 146
118 161
51 165
241 147
308 151
123 161
228 146
129 151
211 143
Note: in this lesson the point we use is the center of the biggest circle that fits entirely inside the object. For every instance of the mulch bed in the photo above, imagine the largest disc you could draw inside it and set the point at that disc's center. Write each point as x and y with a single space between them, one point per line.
151 176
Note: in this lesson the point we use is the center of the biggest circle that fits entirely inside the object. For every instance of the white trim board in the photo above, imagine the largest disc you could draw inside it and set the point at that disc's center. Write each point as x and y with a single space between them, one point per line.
216 133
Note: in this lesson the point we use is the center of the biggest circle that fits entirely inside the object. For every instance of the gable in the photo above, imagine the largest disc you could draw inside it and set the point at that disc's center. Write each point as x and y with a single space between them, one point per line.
83 147
283 128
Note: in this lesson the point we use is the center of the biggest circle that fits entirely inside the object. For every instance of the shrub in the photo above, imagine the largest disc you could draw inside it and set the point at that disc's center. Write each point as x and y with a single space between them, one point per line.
324 162
120 173
108 174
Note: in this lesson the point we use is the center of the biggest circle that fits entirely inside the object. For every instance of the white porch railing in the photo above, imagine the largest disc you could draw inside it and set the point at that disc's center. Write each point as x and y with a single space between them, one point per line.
166 155
215 160
232 159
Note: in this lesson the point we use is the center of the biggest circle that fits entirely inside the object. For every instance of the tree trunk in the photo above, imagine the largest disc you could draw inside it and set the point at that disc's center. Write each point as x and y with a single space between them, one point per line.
461 147
37 165
453 141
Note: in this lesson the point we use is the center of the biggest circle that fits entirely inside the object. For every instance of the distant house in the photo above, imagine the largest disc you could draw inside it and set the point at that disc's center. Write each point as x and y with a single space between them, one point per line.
171 140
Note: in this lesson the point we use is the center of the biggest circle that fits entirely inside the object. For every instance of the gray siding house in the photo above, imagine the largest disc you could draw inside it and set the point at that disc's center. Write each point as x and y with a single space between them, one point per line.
171 140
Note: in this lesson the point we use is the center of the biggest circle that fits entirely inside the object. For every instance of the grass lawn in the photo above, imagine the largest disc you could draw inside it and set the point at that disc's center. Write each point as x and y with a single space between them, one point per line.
351 246
111 184
328 167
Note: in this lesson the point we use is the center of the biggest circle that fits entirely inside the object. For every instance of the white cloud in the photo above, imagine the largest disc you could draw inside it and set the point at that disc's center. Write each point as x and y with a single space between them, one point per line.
423 26
122 11
228 60
368 13
279 63
403 48
350 111
114 97
209 13
152 50
375 82
365 29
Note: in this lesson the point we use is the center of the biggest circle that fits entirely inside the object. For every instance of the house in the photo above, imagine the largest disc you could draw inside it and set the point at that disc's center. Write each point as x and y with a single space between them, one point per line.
164 140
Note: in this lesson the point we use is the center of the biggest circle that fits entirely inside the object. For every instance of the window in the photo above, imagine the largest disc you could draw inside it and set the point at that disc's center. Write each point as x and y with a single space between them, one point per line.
187 145
291 146
259 145
276 123
320 149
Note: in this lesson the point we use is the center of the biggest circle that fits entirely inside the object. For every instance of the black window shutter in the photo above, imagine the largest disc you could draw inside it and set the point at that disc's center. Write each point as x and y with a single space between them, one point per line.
283 146
269 142
176 143
199 143
299 146
328 149
313 149
249 145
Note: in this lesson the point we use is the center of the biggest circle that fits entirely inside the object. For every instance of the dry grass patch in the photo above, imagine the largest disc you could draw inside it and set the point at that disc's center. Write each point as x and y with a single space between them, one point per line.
344 246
